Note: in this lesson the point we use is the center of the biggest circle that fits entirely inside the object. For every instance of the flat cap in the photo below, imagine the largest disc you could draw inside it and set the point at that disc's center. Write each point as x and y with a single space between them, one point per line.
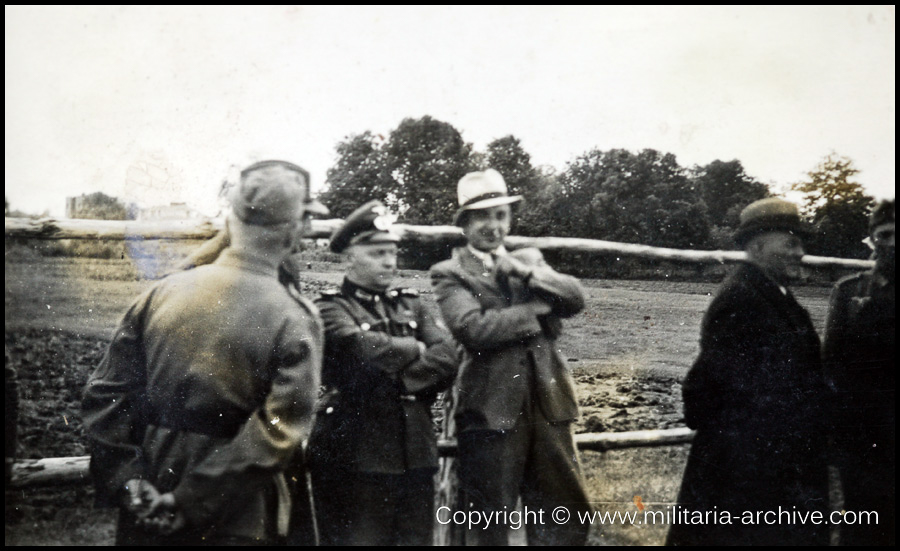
370 223
770 214
273 192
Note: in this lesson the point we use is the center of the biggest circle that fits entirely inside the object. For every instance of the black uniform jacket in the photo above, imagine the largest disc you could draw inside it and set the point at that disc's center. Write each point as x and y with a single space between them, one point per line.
375 416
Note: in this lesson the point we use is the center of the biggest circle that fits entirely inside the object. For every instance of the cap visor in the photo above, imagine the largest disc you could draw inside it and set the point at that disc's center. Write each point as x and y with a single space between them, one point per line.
316 208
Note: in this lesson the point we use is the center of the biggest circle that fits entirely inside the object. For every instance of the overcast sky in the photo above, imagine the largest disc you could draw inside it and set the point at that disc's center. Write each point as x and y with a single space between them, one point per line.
155 104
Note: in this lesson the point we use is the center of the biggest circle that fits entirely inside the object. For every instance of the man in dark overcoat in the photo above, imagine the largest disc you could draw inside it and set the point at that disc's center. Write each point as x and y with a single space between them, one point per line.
373 451
860 358
209 385
755 397
515 396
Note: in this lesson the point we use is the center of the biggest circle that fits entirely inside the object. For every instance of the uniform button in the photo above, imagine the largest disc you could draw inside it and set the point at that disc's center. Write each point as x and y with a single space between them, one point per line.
365 326
413 324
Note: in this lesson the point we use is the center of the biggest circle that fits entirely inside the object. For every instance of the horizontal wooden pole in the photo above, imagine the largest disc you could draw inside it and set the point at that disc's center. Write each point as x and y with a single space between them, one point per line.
52 471
203 229
55 471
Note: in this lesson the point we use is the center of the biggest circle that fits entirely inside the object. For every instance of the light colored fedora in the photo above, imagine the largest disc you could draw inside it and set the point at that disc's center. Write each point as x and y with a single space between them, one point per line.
482 190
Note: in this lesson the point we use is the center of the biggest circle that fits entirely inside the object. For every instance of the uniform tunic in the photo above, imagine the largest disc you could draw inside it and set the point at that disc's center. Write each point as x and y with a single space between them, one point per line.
860 356
373 452
206 390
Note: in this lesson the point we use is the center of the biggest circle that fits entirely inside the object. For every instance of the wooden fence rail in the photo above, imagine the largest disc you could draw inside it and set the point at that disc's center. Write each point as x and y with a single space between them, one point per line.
55 471
203 229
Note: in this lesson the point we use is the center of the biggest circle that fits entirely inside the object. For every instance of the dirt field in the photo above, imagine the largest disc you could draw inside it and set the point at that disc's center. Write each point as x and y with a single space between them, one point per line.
629 350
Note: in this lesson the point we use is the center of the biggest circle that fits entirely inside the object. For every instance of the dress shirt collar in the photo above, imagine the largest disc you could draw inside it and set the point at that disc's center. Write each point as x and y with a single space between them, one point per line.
487 258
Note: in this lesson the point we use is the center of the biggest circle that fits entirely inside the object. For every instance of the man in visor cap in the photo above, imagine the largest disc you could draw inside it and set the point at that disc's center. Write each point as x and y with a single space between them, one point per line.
373 452
516 399
208 387
755 396
860 357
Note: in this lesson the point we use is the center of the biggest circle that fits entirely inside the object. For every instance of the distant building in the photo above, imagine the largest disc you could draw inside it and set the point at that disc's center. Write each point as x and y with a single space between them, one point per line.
172 211
96 206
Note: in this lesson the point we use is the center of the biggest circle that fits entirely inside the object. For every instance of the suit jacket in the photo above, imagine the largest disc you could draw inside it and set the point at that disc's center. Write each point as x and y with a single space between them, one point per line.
376 414
755 395
510 352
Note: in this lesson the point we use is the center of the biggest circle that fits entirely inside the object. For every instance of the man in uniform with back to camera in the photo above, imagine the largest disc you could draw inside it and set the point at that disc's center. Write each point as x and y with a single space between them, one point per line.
860 358
209 385
755 395
516 399
373 451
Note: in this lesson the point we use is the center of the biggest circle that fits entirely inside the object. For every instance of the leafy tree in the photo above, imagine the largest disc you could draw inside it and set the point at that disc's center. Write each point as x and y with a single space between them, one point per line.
635 198
358 176
507 156
837 207
726 189
424 160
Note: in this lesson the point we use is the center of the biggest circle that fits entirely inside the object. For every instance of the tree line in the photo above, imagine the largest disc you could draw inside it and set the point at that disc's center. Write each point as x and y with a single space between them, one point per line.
618 195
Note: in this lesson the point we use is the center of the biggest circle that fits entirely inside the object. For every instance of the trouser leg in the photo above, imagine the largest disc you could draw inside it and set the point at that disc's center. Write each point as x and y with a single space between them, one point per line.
553 479
414 515
334 493
491 464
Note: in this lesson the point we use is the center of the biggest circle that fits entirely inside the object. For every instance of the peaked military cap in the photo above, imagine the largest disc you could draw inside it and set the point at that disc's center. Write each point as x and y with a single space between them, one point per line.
370 223
770 214
883 214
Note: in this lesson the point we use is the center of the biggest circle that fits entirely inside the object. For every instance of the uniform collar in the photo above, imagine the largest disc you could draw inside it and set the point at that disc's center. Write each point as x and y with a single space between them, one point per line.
247 260
363 294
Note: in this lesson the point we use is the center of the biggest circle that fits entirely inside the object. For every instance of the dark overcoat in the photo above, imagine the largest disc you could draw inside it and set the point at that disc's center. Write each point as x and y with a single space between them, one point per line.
755 397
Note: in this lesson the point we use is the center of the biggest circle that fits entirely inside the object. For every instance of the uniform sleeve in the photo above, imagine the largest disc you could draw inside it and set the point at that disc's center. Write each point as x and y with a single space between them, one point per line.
834 350
563 292
113 410
835 322
372 350
206 253
477 328
436 369
266 443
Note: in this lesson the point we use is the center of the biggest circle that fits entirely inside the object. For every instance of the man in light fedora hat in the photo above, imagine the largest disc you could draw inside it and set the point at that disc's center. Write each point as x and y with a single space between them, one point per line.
515 397
755 395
